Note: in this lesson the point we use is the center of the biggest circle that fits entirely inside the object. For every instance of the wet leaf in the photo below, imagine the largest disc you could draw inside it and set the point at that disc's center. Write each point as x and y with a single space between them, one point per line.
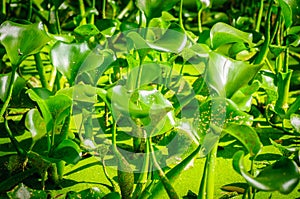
282 176
222 33
22 40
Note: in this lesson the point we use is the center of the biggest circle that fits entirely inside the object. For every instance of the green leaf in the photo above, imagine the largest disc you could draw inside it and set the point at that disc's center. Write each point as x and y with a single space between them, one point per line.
222 33
39 95
226 76
282 176
35 124
19 84
290 11
22 40
243 97
86 31
247 136
68 151
154 8
68 58
173 40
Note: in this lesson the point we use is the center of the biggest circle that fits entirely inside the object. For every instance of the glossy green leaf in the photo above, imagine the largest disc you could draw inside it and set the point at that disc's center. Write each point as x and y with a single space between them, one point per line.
86 31
154 8
67 150
35 124
173 40
39 95
216 114
19 84
22 40
247 136
282 176
68 58
290 10
59 107
222 33
243 97
226 76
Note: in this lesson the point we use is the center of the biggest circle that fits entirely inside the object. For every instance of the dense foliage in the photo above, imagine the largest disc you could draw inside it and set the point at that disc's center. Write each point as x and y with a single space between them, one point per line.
148 88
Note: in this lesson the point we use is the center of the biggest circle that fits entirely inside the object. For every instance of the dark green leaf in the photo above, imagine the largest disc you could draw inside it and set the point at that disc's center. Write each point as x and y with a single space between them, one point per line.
68 151
19 84
22 40
282 176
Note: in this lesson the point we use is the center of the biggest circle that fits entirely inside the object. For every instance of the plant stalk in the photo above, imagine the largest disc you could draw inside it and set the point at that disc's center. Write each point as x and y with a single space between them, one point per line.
41 71
82 12
10 90
200 20
103 9
260 14
265 47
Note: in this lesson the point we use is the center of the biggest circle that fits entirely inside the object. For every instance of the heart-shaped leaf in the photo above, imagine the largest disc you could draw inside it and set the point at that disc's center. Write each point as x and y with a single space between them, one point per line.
247 136
222 33
35 124
173 40
68 151
225 76
282 176
68 58
154 8
290 11
22 40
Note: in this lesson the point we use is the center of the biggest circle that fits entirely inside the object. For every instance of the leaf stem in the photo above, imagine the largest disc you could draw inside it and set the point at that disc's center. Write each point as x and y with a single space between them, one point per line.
180 15
10 90
265 47
13 140
4 7
200 20
82 12
30 10
165 181
103 9
260 14
128 7
40 69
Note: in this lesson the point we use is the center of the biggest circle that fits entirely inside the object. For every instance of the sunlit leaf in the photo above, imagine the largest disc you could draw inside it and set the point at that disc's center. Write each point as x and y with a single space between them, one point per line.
282 176
154 8
35 124
173 40
22 40
86 31
222 33
226 76
68 58
247 136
